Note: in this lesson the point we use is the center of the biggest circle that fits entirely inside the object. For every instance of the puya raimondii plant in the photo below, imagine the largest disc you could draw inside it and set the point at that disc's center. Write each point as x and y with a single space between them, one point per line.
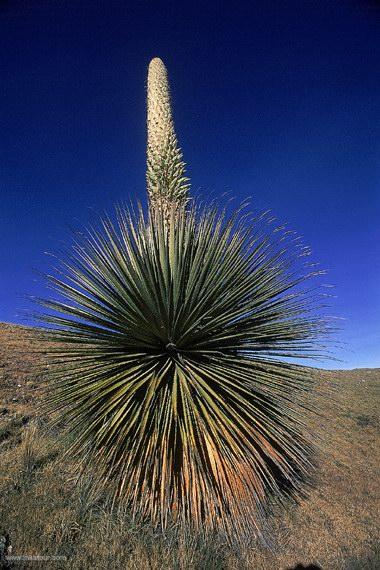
171 340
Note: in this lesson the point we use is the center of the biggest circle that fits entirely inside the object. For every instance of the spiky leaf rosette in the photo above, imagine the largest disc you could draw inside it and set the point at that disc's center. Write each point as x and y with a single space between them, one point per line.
166 180
167 347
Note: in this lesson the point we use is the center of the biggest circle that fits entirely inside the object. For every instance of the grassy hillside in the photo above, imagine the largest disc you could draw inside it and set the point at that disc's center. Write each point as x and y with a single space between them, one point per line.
44 512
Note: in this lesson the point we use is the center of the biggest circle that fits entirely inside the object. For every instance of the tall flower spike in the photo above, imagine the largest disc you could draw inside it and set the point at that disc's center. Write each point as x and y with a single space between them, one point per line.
166 181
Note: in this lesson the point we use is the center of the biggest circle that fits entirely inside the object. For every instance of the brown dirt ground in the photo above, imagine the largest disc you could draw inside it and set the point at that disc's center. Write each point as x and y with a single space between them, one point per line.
46 513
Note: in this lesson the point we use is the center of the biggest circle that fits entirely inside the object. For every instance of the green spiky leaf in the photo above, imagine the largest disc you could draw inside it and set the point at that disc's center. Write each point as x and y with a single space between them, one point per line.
167 344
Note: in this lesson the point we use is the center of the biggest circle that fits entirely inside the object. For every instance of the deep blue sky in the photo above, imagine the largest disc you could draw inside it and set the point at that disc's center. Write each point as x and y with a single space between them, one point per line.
275 100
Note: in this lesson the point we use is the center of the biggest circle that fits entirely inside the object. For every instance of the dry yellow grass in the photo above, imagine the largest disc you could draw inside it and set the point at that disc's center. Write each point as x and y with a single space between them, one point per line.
45 512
